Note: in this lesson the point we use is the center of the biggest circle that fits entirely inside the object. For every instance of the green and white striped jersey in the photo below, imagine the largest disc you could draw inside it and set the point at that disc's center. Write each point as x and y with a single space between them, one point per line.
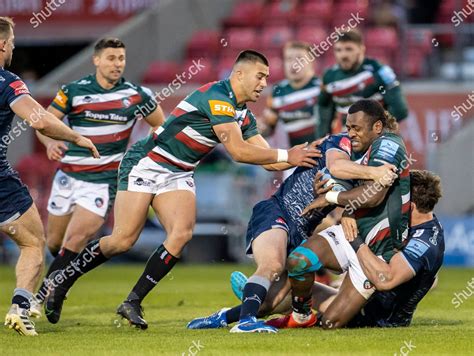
105 116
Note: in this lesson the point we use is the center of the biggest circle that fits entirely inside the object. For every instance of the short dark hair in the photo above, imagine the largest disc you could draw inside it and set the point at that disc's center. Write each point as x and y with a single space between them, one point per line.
375 111
6 27
108 42
250 55
425 190
351 36
298 45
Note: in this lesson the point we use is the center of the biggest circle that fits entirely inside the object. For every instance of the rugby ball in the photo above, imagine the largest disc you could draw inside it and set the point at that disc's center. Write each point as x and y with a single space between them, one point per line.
339 185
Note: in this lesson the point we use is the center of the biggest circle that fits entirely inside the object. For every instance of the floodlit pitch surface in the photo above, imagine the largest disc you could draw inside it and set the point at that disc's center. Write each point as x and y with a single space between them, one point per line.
89 326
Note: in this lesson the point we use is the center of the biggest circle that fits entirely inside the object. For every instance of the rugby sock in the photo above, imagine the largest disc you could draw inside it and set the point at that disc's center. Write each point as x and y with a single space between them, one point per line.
301 307
232 315
61 261
254 294
22 297
88 259
158 266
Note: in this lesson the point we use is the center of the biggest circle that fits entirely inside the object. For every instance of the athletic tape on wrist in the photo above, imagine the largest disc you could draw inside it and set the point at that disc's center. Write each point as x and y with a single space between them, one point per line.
331 196
282 155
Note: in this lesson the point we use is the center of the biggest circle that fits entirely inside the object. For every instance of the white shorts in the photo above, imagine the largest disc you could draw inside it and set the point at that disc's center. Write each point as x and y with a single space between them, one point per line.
347 259
149 177
68 191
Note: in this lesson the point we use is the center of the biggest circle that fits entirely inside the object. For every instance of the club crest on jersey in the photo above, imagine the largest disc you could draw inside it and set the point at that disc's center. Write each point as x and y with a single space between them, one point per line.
368 285
126 103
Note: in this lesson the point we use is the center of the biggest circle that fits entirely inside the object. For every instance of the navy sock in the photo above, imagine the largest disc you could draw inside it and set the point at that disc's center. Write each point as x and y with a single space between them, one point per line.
158 266
232 315
62 259
254 294
22 297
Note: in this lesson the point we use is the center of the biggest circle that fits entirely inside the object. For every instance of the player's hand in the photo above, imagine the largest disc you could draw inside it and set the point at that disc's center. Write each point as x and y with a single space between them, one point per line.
302 155
385 174
349 226
318 203
318 185
86 143
55 150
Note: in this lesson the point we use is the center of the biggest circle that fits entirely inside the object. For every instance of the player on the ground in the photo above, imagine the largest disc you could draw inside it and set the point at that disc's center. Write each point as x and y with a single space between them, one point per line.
104 107
402 283
382 215
356 77
19 217
159 171
276 228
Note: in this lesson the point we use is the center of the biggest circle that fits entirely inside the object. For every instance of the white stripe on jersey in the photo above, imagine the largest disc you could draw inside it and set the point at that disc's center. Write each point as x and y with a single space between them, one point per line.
406 198
380 226
80 160
103 130
184 105
196 136
348 82
168 155
102 98
299 124
295 97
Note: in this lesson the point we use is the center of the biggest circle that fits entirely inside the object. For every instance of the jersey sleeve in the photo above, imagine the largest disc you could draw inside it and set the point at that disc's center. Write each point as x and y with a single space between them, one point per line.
419 253
385 150
62 101
249 126
149 100
339 143
15 89
219 110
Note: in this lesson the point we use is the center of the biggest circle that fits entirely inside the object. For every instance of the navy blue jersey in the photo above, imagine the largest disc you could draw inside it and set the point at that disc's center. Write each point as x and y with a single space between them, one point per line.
11 88
424 253
296 192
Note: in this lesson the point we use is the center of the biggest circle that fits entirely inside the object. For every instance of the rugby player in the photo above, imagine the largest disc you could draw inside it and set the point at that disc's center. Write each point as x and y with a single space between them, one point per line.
104 107
19 217
159 171
406 279
276 228
356 77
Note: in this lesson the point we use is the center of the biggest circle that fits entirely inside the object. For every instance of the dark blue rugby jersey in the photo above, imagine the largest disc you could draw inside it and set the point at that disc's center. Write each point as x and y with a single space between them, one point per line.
424 253
11 89
296 192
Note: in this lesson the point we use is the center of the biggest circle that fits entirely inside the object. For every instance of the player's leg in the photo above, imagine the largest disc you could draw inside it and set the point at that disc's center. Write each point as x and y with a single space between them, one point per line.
130 214
55 231
27 232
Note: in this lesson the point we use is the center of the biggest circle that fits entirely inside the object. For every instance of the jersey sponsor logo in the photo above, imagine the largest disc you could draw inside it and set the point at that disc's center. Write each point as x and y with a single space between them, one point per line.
418 232
60 99
190 183
142 182
107 117
99 202
219 107
416 248
84 82
345 144
387 75
388 149
19 87
2 79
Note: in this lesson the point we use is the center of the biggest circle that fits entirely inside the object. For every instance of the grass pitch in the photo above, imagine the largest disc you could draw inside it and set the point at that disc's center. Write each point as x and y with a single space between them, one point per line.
89 326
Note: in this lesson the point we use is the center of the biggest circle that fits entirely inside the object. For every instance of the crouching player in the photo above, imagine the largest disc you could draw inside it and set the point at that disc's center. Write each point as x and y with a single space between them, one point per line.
402 283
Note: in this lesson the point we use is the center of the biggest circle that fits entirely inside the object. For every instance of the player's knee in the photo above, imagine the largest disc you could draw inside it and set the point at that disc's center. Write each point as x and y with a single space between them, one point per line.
180 237
272 269
124 244
76 241
302 260
330 322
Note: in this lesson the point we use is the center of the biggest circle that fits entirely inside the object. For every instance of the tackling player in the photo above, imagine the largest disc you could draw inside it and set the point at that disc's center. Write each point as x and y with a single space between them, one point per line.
19 217
104 107
356 77
159 171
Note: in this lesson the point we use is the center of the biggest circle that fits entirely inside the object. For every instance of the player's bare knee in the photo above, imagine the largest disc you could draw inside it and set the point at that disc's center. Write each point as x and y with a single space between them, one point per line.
271 270
180 237
331 321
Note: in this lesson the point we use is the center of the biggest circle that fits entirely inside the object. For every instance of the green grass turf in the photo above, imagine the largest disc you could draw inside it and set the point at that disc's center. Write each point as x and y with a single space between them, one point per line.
88 325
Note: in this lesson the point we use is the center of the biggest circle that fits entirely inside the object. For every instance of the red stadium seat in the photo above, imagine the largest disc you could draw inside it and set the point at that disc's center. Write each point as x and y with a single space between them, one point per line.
277 71
246 14
382 37
240 38
204 75
161 72
381 55
311 34
315 12
344 10
414 64
203 44
281 12
420 39
275 36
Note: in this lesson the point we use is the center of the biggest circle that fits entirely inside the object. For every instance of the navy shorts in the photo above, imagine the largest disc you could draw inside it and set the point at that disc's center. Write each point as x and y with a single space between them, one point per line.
15 199
267 215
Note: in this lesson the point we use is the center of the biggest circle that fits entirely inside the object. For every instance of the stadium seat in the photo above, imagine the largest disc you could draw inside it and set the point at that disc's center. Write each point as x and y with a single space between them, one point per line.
343 11
420 39
203 76
240 38
414 63
274 37
161 72
311 34
203 44
381 55
282 12
246 14
315 12
277 72
382 37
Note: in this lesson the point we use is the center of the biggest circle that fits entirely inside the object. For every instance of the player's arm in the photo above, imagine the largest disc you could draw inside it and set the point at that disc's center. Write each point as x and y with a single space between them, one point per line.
392 93
259 141
37 117
384 276
156 118
241 151
54 148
